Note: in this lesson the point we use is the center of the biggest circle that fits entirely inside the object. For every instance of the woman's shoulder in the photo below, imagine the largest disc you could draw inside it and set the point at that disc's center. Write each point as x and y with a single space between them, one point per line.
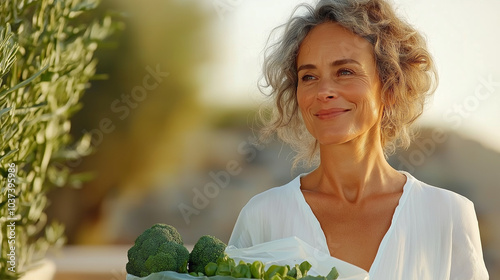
286 192
439 197
435 212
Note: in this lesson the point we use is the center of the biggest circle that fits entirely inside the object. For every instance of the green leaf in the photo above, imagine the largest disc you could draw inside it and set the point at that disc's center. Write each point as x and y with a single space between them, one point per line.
304 267
23 83
36 106
84 7
8 154
334 274
5 110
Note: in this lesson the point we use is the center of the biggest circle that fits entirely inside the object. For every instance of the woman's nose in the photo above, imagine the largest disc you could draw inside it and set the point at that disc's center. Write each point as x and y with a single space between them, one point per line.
327 90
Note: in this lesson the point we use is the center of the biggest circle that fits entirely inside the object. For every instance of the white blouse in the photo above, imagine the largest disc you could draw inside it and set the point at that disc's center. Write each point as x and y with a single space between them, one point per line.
434 233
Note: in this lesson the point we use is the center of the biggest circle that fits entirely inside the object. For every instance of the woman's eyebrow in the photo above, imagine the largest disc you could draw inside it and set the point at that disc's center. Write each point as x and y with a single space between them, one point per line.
306 66
335 63
345 61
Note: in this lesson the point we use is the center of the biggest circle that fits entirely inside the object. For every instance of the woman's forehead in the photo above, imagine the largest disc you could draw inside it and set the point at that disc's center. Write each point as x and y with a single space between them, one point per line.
333 41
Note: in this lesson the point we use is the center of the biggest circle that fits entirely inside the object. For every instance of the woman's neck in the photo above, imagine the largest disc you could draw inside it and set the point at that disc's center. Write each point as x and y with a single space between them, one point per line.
354 171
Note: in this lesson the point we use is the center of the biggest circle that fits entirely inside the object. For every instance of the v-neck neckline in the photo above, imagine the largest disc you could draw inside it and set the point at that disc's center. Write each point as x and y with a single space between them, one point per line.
406 190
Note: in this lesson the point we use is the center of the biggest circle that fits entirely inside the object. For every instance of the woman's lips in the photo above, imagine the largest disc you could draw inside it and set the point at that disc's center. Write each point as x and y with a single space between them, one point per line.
330 113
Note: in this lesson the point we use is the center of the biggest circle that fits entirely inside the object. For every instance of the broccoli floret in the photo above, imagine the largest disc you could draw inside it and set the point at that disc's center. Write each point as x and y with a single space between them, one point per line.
166 232
158 248
207 249
170 257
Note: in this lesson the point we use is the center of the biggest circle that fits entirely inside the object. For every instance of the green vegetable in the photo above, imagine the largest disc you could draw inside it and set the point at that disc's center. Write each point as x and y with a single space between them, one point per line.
225 265
208 249
295 272
275 270
170 256
257 270
158 248
242 270
166 232
276 277
304 267
309 277
210 269
224 269
334 274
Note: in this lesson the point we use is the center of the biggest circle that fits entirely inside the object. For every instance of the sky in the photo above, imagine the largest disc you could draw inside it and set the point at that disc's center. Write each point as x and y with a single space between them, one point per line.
463 36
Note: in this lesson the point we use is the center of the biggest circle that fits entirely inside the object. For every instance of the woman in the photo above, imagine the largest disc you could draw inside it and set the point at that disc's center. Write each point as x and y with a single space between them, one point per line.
348 79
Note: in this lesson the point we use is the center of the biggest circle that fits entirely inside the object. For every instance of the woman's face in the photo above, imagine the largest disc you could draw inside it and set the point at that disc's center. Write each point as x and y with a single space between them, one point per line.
338 89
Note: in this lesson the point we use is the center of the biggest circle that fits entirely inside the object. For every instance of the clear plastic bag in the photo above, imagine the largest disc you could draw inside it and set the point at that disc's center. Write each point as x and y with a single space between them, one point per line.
293 251
289 251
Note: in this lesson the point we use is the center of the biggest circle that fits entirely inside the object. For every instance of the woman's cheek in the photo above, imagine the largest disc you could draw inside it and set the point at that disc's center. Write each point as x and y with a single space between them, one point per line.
303 98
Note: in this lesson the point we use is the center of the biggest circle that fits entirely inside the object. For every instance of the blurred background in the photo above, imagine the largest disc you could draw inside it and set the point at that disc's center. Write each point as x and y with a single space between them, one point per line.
173 124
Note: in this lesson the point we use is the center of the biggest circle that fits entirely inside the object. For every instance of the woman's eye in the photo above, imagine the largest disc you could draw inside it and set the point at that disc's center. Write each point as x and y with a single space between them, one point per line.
306 78
345 72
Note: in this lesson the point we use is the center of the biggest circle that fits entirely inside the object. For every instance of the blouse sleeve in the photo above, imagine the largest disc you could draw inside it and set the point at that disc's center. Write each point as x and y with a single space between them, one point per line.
241 235
467 255
250 228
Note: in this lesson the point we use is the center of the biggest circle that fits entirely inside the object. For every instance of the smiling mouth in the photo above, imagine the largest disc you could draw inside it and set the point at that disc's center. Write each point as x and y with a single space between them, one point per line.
330 113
